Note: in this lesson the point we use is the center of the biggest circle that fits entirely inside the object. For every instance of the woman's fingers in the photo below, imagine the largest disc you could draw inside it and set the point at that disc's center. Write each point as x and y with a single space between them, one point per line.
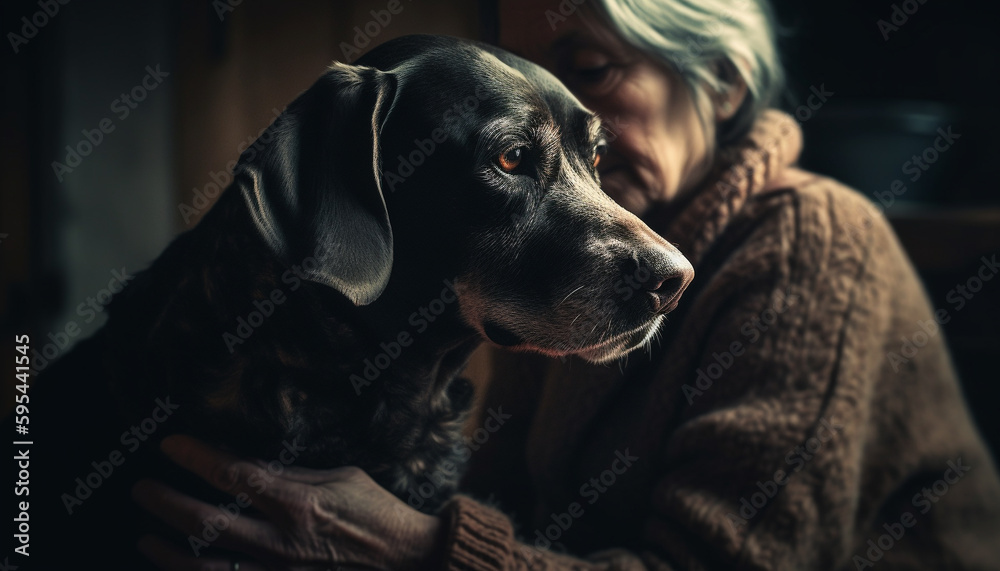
206 524
305 516
169 557
229 473
311 476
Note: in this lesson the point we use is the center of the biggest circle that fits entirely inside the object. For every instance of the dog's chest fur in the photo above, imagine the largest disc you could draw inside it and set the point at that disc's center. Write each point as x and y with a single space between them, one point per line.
186 328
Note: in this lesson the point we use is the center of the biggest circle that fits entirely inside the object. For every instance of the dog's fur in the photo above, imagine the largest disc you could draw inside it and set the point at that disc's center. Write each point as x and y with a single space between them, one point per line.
359 250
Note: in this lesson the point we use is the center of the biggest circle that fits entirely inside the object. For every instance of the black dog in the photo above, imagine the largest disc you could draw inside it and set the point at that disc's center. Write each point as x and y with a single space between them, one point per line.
398 212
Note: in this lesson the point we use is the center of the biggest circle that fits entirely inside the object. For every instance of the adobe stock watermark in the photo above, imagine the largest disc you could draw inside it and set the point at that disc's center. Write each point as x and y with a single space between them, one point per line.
132 440
212 527
958 297
592 490
752 330
202 197
48 9
61 338
448 472
122 107
364 34
900 15
796 459
224 8
917 165
292 278
580 330
424 148
924 501
420 320
566 8
814 102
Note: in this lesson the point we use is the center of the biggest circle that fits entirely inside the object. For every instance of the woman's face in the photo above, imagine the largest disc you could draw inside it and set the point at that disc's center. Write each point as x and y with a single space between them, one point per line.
657 146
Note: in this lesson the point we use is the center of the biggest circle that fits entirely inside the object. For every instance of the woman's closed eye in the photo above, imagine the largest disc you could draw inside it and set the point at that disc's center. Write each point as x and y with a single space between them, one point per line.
593 74
589 68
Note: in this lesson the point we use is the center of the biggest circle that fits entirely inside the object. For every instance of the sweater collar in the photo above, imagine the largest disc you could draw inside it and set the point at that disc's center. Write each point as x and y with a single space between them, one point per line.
749 167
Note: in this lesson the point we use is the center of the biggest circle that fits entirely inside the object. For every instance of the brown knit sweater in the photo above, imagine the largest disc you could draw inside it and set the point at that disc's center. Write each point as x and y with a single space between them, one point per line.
801 412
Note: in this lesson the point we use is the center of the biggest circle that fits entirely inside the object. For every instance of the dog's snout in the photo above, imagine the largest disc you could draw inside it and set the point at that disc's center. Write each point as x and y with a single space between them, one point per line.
667 293
668 275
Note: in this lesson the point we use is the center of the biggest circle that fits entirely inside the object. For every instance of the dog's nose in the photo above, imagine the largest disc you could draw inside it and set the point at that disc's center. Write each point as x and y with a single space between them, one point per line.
667 293
669 273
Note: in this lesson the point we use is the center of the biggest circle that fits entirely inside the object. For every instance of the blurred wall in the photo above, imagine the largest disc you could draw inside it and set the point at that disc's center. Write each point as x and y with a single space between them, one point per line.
238 67
116 97
87 171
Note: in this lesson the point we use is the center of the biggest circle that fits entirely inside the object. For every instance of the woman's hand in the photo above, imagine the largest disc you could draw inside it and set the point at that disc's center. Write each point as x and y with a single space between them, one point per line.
304 519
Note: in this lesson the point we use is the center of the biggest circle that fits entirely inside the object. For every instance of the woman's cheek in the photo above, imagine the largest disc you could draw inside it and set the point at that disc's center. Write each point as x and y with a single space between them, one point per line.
627 187
639 149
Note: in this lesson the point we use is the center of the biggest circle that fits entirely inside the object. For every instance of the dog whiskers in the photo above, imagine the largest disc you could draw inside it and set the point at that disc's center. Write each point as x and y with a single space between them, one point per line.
569 294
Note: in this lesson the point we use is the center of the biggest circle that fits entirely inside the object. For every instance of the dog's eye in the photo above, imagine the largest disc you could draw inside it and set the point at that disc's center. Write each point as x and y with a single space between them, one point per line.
511 158
599 151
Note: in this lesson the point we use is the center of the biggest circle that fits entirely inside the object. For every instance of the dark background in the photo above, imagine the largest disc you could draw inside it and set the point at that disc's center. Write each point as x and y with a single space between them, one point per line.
231 65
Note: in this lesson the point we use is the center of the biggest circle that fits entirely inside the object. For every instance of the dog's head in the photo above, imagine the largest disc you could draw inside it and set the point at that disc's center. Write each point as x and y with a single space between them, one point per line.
437 159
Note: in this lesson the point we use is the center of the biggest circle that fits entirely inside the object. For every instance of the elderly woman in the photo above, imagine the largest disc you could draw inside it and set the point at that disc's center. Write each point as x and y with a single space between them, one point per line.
801 411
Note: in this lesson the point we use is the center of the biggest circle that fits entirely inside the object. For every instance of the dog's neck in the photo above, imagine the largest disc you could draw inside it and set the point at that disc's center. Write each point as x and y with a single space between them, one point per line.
257 357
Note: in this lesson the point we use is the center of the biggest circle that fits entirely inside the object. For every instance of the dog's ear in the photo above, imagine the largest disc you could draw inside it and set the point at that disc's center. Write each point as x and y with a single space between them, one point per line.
312 182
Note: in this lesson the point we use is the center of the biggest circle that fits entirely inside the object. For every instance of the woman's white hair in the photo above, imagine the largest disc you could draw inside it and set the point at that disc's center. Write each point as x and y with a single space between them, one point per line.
706 41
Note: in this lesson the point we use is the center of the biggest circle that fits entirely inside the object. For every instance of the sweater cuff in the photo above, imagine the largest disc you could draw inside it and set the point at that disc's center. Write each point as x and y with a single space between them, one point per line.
479 538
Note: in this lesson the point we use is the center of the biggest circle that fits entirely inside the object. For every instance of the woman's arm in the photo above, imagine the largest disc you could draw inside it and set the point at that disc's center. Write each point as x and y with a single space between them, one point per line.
327 519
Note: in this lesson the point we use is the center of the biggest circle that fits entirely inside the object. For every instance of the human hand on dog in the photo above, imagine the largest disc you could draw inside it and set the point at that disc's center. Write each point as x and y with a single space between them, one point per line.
304 520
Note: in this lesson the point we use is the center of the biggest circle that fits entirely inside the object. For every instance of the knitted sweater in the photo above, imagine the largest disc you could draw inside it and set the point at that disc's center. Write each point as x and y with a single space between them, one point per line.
800 412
